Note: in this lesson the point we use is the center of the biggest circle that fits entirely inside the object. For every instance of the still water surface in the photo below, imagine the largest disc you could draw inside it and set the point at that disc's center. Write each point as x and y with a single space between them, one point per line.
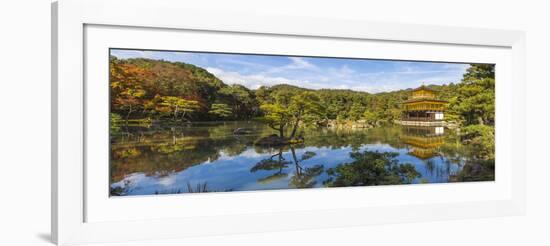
210 157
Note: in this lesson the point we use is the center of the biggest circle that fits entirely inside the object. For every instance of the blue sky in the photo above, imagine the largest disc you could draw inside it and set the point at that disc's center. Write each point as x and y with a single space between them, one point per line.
254 71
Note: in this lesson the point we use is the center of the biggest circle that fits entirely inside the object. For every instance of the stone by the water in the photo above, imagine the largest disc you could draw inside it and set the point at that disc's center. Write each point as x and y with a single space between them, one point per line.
241 131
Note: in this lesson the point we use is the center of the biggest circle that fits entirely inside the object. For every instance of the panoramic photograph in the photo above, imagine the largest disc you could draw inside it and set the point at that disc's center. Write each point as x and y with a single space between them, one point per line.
197 122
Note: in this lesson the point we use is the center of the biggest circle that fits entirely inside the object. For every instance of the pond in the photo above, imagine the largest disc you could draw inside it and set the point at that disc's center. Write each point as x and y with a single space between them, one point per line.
211 157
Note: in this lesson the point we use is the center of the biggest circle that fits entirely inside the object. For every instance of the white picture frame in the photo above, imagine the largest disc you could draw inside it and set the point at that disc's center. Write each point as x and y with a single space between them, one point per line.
79 216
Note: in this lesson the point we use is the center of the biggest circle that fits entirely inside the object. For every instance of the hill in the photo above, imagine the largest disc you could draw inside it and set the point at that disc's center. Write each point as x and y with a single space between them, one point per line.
146 88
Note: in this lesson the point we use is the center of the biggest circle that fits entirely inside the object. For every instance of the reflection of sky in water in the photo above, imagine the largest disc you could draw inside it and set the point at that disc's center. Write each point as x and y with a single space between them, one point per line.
233 172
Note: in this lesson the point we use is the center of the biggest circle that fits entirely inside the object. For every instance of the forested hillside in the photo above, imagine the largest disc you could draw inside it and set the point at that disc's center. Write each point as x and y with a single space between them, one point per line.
154 89
144 88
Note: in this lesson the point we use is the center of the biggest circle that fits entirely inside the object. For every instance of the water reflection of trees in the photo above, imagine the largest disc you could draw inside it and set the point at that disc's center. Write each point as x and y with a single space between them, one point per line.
474 162
163 150
478 170
371 168
354 138
276 163
480 166
303 177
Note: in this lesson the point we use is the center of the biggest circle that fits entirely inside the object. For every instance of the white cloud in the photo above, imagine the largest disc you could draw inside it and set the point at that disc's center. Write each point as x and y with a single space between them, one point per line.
124 54
251 154
245 64
251 81
300 63
168 180
255 81
343 78
297 63
455 66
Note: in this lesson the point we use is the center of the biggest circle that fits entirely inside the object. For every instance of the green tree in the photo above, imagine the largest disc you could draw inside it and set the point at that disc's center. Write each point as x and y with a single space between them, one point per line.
241 99
129 100
277 117
356 111
475 100
220 110
175 105
263 95
482 138
480 71
126 86
304 108
370 117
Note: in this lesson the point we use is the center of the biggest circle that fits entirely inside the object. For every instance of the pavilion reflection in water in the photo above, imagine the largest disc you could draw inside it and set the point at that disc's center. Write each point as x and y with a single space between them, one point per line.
424 141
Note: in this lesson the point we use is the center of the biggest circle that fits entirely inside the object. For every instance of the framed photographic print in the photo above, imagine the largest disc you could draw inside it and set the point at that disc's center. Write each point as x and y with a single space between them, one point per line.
169 126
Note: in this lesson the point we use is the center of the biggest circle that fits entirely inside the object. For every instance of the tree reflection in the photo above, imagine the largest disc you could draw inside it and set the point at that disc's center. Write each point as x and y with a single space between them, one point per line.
475 170
371 168
161 150
269 164
481 164
304 177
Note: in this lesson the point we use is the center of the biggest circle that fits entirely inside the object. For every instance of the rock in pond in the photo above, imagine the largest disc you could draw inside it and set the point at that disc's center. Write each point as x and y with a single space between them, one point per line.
242 131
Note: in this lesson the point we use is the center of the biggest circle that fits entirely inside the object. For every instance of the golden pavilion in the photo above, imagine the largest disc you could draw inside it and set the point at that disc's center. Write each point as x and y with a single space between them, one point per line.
423 108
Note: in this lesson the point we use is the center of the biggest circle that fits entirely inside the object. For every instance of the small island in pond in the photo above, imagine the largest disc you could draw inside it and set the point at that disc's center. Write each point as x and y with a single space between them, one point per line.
192 122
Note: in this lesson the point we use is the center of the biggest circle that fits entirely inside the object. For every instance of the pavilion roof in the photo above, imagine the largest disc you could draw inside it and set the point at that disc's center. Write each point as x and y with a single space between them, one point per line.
425 100
425 88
